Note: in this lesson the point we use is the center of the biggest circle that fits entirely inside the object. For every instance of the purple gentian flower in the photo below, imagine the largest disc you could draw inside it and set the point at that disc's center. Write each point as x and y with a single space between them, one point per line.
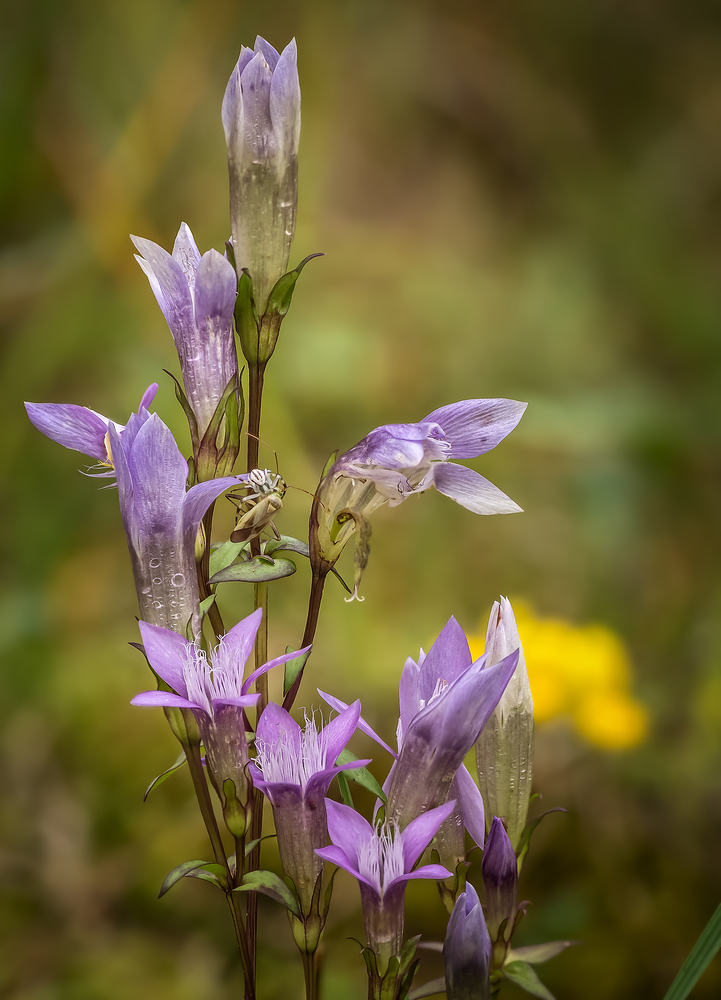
383 861
261 119
504 751
294 768
396 461
197 297
445 701
84 430
467 950
212 685
161 522
500 879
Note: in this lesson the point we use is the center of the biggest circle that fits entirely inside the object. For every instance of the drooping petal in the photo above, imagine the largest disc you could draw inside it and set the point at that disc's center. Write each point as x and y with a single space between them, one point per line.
148 397
471 805
436 872
447 659
72 426
470 490
420 831
341 706
339 731
162 699
273 663
245 701
198 498
475 426
166 651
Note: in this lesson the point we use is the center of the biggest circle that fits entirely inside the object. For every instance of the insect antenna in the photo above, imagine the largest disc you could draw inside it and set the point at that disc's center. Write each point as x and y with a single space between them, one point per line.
308 493
260 439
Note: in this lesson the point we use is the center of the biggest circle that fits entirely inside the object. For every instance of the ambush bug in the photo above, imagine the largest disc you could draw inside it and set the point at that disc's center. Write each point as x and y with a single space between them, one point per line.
259 506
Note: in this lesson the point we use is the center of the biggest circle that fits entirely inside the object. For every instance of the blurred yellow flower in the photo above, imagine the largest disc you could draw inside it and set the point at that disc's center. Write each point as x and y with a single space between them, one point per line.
580 671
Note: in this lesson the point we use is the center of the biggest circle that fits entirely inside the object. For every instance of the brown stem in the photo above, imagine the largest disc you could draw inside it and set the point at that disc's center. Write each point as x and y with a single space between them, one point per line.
310 972
311 624
256 374
202 793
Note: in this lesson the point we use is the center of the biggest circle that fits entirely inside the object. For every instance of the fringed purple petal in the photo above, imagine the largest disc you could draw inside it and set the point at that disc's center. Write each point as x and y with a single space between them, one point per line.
319 783
337 857
475 426
167 652
471 491
72 426
420 831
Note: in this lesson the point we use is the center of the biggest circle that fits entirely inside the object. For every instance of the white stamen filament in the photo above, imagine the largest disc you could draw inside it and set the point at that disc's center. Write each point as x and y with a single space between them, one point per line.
282 761
219 677
380 858
438 690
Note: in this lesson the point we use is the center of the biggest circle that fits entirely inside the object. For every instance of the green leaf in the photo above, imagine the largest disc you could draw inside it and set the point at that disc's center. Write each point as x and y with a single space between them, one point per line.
344 789
247 323
225 554
210 876
271 885
524 975
701 954
431 989
537 953
292 669
280 297
525 839
177 873
288 544
166 774
328 894
255 571
361 775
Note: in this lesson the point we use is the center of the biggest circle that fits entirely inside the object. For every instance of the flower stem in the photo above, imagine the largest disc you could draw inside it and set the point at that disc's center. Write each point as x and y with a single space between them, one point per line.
310 971
204 573
256 374
311 624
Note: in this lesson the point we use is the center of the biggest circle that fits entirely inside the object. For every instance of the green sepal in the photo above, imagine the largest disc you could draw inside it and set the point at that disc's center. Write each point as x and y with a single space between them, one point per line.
524 975
247 321
275 311
345 789
188 411
328 894
212 459
430 989
534 954
224 555
206 605
180 871
271 885
165 774
256 570
293 668
361 775
525 839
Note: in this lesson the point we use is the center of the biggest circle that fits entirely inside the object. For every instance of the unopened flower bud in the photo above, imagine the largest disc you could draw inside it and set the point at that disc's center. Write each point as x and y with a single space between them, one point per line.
261 118
467 950
504 751
500 878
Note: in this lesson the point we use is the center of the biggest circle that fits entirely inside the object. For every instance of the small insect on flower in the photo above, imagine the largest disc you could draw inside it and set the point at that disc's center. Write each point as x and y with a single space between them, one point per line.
259 506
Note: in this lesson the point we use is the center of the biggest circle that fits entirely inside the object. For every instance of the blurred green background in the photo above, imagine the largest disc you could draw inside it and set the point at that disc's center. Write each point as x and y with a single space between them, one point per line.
515 199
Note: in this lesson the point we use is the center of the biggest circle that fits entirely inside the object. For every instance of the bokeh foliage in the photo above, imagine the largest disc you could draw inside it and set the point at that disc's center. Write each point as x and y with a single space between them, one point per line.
515 199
